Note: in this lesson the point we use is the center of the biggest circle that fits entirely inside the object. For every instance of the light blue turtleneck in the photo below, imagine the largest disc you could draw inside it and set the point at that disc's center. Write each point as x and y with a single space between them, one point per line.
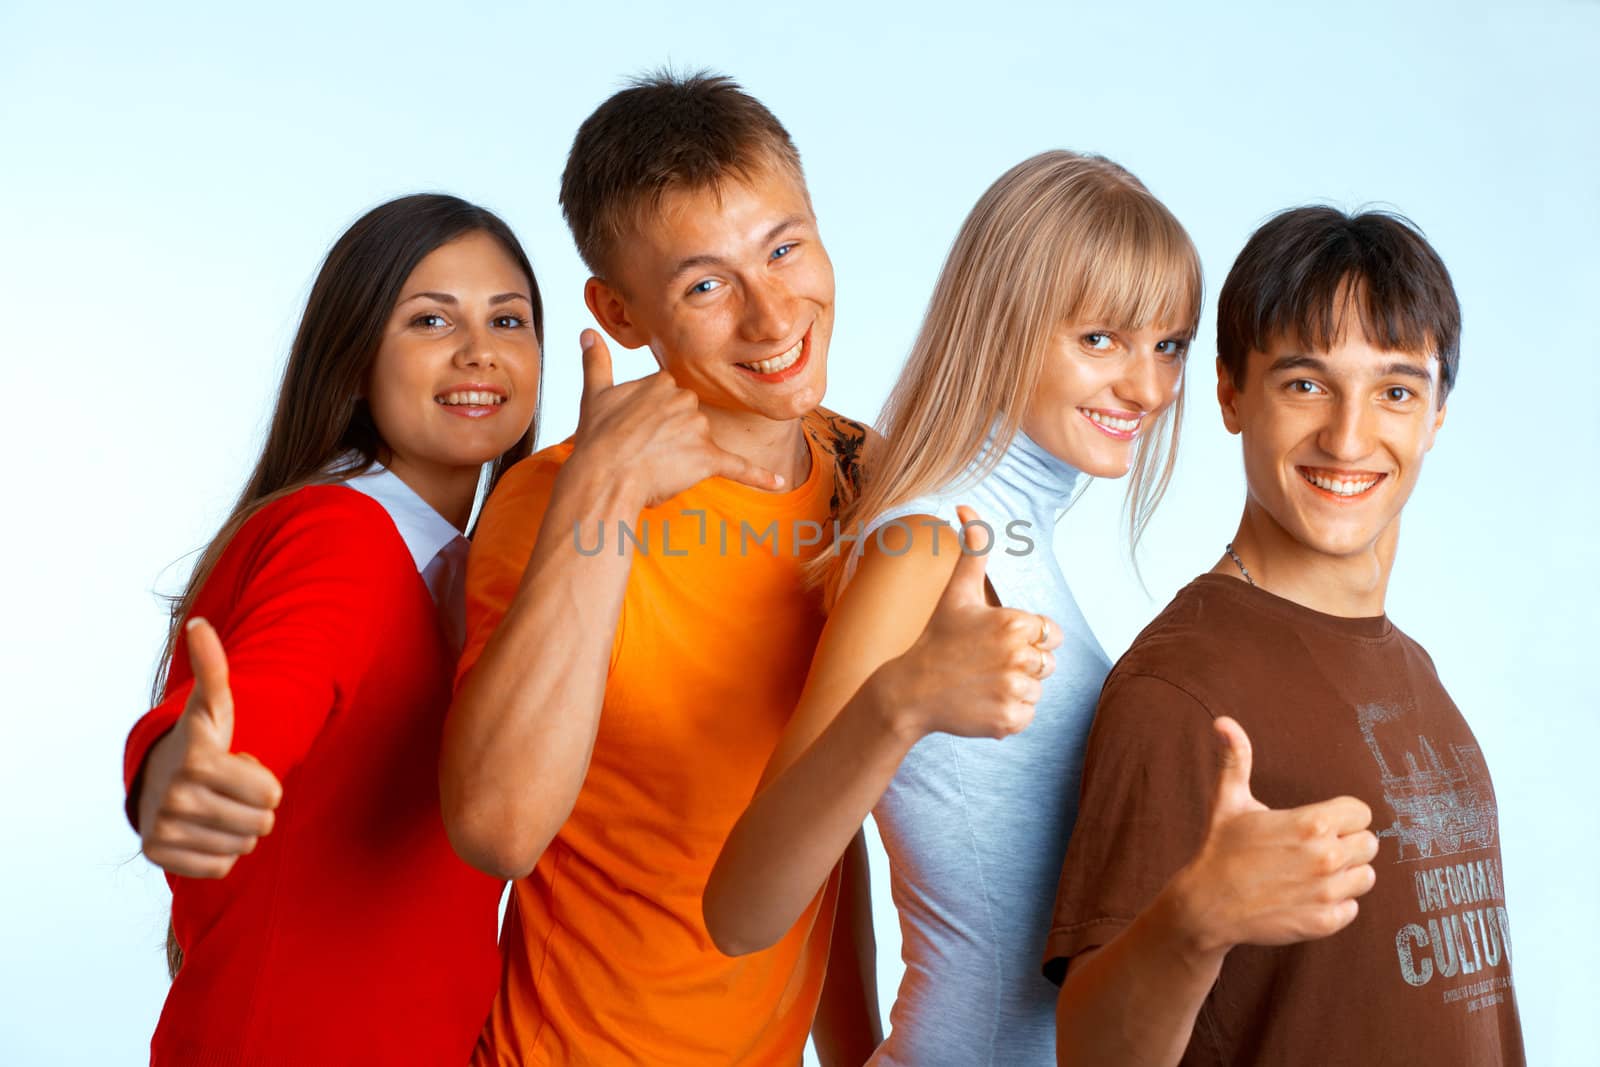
976 829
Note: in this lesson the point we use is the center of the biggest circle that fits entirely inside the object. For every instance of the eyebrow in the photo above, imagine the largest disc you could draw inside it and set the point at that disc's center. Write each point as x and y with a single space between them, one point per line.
1296 360
446 298
710 260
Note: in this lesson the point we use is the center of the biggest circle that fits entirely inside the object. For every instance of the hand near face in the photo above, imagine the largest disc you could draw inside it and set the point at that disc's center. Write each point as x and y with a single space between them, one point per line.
1266 877
652 432
201 806
976 670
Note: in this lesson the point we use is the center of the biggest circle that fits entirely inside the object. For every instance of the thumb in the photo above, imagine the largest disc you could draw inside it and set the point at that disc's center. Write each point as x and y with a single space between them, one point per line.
597 377
1233 778
211 699
966 581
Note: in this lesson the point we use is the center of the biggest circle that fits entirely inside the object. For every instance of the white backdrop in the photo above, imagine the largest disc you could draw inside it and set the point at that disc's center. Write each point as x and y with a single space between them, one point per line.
170 178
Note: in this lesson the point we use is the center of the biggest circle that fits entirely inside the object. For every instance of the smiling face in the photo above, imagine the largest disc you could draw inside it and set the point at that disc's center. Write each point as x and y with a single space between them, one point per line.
456 378
732 290
1102 389
1334 440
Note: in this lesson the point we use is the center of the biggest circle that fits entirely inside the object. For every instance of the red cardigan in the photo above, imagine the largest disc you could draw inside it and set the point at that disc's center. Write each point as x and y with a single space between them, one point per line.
352 934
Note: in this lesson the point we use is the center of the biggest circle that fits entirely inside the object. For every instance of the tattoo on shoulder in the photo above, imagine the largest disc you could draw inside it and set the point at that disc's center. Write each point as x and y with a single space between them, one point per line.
843 439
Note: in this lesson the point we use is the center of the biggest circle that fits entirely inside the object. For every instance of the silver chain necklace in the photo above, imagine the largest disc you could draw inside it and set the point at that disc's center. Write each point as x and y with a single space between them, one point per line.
1239 563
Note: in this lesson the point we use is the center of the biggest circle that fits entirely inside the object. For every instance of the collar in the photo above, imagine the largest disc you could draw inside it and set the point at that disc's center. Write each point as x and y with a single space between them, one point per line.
425 531
1029 469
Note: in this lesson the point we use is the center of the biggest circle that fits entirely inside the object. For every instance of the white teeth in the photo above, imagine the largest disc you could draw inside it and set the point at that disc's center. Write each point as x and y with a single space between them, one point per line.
776 363
470 398
1340 486
1110 422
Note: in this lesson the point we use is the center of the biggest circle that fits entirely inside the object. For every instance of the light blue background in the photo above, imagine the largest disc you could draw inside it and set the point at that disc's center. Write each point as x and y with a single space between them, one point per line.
170 178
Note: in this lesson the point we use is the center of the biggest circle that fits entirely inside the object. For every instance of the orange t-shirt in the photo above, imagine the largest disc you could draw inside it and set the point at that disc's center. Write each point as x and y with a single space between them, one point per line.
607 959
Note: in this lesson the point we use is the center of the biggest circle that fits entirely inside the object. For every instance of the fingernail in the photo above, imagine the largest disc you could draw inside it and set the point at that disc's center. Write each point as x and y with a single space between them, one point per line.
586 340
192 623
778 480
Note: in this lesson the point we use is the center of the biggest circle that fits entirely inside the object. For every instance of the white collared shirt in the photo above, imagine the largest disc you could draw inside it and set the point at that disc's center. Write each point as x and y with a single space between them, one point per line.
436 546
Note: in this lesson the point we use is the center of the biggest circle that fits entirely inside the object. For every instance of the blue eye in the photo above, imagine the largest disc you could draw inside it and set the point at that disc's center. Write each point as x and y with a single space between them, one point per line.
707 286
783 250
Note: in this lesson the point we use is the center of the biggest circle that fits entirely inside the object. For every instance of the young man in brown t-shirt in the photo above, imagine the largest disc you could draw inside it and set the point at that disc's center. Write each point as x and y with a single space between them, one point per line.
1210 915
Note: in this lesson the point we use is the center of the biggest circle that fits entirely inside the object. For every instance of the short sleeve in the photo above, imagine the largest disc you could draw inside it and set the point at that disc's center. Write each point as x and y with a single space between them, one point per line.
1148 777
502 545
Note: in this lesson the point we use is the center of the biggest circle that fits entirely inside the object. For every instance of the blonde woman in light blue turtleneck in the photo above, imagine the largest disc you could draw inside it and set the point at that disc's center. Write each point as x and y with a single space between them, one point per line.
1053 349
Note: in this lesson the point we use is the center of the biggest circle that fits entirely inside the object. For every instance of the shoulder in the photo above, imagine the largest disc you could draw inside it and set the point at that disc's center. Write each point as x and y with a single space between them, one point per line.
907 555
335 520
532 478
523 492
1199 645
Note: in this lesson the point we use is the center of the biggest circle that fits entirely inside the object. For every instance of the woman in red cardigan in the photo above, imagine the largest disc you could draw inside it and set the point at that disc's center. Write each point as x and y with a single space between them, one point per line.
287 779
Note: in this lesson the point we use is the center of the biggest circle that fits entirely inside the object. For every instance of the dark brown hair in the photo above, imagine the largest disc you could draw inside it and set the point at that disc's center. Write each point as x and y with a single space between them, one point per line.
1301 274
321 416
663 132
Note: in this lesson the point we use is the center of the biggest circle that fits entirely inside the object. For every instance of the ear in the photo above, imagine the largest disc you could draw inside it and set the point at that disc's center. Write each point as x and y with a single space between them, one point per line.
610 310
1227 398
1438 421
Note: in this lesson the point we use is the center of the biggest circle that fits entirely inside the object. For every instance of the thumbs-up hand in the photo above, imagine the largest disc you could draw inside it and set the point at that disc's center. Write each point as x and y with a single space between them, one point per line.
652 431
201 806
976 670
1266 877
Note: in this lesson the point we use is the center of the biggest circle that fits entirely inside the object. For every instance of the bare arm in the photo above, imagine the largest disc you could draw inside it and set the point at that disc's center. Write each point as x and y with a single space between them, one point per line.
1262 877
848 1027
522 726
880 681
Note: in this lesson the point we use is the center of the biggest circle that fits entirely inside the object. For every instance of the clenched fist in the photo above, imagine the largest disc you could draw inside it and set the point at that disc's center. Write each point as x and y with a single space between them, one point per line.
201 806
976 670
1266 877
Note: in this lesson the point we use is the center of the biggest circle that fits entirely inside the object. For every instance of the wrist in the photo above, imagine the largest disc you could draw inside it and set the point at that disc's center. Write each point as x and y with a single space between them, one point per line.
894 717
601 485
1181 915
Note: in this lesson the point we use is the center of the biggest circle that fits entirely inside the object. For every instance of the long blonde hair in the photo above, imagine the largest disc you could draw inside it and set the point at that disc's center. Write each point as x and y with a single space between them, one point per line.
1060 237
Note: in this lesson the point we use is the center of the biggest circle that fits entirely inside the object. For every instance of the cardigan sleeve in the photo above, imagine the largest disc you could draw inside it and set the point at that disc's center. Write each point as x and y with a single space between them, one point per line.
298 599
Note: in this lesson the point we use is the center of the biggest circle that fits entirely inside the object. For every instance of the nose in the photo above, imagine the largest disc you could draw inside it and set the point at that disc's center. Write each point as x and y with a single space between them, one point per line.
770 311
476 348
1147 382
1347 433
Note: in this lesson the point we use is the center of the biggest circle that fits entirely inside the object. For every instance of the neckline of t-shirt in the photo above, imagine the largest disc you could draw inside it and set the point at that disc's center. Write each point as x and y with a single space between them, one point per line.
1373 628
747 498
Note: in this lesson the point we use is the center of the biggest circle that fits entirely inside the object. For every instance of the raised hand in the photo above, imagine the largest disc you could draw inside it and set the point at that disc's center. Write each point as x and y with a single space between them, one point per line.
201 806
1266 877
653 430
976 670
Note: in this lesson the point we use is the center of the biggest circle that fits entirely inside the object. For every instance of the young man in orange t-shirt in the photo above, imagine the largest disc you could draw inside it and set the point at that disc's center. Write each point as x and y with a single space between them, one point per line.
639 627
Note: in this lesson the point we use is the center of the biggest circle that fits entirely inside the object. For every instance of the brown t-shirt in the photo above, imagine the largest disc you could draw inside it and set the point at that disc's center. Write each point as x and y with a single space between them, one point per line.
1333 707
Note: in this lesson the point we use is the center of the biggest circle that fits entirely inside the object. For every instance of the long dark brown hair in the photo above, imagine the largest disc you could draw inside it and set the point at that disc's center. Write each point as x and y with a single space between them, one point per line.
321 418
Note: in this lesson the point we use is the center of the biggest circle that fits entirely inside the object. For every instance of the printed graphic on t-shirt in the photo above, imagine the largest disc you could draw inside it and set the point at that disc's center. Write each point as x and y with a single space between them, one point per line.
1443 806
